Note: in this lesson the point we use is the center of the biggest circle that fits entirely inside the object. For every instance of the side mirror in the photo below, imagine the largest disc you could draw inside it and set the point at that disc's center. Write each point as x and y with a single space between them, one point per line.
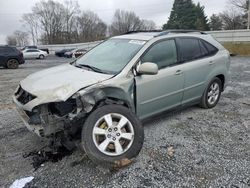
148 68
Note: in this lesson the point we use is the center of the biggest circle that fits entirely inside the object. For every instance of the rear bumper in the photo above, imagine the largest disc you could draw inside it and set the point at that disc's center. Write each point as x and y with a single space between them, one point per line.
21 61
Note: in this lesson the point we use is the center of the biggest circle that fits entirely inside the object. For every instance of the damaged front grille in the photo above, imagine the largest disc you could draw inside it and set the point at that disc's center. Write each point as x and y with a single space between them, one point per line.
23 96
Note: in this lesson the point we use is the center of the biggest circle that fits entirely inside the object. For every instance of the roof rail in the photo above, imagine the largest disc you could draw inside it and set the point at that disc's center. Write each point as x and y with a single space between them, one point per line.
165 32
179 31
142 31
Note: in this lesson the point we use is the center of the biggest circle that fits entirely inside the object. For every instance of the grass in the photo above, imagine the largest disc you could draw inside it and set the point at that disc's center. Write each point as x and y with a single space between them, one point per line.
239 48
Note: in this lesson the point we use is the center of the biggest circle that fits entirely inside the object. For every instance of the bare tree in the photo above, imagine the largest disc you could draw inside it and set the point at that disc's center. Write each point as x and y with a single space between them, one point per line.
91 27
52 22
244 7
232 20
22 38
148 25
11 40
125 21
71 11
51 17
31 20
241 4
18 38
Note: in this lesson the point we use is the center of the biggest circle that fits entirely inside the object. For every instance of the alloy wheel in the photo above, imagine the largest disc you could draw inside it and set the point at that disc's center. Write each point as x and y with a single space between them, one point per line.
213 93
113 134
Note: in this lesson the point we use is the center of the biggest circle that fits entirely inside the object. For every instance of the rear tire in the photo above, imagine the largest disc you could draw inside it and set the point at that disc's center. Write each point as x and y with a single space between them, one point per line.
112 136
12 64
212 93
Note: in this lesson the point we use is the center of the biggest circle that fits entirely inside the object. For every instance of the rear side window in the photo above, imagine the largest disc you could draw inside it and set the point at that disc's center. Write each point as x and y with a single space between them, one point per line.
163 54
32 51
210 48
5 50
193 48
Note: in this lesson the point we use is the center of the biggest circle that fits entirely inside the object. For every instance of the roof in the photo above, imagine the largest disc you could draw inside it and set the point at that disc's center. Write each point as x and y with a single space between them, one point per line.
148 35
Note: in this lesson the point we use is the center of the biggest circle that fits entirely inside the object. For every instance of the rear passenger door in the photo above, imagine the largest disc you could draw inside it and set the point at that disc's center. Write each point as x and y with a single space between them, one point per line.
34 53
197 63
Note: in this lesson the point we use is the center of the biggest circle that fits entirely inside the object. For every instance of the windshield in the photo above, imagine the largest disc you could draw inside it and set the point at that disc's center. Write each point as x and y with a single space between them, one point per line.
112 55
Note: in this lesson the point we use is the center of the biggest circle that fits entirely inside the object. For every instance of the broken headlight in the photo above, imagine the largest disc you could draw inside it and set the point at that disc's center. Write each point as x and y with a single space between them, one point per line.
63 108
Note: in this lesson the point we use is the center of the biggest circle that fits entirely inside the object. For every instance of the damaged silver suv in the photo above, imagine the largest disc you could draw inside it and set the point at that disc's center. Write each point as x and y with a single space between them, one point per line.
103 95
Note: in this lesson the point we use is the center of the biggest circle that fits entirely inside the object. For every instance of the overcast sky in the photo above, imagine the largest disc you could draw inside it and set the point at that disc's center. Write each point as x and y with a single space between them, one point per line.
157 10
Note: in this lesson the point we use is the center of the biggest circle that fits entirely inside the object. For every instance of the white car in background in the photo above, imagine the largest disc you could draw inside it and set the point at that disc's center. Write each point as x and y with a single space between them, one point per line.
34 54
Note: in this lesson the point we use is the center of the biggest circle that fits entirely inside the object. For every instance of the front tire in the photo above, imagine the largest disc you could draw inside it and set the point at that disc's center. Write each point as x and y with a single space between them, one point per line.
211 95
41 56
112 136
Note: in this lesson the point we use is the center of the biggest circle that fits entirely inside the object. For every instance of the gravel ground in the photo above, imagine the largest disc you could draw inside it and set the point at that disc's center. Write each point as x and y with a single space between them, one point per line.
192 147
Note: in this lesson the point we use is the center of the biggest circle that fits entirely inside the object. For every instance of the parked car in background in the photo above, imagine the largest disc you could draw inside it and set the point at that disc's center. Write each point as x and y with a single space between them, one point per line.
45 50
35 47
34 53
10 57
60 53
105 93
69 53
79 53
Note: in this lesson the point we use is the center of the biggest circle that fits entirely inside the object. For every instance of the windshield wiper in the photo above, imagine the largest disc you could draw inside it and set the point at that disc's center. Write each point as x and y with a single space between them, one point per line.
92 68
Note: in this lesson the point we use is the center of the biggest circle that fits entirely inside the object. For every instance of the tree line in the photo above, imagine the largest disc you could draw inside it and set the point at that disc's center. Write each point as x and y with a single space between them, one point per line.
52 22
235 16
187 15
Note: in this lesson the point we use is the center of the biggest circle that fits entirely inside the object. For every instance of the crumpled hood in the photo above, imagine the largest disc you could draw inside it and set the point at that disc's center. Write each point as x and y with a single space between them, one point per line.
60 82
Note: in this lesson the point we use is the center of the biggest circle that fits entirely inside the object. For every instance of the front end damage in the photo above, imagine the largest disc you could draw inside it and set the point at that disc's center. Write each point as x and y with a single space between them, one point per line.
49 119
67 117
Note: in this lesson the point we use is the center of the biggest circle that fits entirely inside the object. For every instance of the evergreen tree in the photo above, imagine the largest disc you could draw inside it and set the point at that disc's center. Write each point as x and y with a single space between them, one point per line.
201 19
215 23
186 15
183 15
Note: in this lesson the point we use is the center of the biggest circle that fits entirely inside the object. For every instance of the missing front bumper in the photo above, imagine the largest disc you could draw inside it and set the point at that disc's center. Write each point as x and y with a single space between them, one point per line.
38 129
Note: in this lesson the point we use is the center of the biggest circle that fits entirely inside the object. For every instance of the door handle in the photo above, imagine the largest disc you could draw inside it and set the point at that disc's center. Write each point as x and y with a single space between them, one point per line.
211 62
179 72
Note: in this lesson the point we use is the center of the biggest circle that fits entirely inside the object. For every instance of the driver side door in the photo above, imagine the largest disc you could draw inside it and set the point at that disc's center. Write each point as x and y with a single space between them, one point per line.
160 92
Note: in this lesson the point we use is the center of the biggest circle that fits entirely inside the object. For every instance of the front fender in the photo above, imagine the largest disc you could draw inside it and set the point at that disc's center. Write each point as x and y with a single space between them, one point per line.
102 92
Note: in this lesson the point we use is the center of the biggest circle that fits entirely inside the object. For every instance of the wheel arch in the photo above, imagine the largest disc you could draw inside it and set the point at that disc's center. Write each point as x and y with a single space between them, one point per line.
220 73
222 79
12 58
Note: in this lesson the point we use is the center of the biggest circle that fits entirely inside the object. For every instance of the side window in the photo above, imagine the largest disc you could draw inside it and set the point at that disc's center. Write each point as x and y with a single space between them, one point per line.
190 49
163 54
210 48
5 50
